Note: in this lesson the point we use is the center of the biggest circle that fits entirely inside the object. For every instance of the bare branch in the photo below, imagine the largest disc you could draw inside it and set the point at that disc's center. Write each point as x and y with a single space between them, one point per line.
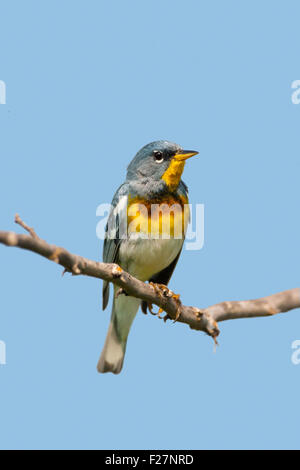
198 319
28 229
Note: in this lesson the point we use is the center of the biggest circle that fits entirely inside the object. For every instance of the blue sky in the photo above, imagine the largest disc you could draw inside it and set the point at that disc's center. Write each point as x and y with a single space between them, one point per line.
89 83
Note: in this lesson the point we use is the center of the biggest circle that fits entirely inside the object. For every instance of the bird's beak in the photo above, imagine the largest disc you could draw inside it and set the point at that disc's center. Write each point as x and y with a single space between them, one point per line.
184 155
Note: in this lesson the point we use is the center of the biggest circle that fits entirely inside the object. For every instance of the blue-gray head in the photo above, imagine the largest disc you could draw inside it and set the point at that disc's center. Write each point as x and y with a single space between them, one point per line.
160 160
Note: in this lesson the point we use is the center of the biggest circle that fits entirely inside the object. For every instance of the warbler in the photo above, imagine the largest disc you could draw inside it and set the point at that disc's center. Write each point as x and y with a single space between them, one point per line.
150 244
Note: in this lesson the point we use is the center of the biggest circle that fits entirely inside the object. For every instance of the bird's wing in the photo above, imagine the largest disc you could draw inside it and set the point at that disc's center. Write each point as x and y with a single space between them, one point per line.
112 238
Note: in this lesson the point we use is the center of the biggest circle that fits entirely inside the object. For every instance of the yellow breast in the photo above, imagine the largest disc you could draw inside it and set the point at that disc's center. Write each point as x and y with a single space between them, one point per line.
158 218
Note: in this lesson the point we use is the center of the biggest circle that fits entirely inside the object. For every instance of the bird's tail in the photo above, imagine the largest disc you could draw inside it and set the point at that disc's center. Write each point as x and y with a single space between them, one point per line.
123 313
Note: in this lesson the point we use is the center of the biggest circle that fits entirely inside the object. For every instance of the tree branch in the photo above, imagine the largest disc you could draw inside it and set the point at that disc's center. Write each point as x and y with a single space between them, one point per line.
205 320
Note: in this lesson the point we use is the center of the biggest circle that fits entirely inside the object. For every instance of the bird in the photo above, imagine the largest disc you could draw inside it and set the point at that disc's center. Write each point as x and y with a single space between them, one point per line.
139 240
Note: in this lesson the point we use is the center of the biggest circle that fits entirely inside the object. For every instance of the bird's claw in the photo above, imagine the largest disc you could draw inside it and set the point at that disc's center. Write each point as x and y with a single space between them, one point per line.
150 308
164 291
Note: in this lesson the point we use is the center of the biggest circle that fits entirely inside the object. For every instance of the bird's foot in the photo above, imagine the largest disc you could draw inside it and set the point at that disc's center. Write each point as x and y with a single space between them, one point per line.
164 291
150 308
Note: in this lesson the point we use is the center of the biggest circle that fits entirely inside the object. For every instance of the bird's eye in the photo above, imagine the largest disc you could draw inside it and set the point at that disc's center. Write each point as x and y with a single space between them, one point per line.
158 156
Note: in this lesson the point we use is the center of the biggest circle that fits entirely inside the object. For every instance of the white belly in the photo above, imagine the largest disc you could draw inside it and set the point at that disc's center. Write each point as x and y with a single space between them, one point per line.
145 257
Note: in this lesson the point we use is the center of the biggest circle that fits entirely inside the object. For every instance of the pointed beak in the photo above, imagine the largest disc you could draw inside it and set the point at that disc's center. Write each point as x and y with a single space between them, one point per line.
184 155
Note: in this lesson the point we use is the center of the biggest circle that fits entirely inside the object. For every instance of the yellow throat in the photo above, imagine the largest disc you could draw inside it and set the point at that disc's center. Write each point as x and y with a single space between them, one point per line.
173 174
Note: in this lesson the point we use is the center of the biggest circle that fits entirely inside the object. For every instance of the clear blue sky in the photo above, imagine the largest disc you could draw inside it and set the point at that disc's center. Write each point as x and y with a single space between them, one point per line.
89 83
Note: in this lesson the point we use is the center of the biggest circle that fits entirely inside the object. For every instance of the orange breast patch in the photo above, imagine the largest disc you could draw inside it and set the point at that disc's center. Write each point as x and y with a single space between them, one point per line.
165 217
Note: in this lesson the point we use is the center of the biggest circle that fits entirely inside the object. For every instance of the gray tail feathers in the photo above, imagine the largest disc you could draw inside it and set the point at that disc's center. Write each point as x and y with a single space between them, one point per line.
123 313
112 356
